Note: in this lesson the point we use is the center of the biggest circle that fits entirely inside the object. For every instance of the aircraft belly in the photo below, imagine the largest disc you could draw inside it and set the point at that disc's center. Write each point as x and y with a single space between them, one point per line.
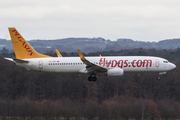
140 69
27 66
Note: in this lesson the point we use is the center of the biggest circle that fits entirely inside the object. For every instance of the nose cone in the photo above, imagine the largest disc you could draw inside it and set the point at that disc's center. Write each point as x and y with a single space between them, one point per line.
172 66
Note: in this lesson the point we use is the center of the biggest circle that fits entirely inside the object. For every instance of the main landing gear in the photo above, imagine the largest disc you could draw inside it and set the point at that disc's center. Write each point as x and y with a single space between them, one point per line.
92 78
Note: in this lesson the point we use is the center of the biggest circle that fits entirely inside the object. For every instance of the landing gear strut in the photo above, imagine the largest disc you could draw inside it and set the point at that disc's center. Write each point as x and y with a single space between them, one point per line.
92 78
161 73
158 77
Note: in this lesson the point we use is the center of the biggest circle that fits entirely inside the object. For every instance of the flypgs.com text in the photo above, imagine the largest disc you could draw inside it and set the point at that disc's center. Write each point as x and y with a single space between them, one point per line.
124 63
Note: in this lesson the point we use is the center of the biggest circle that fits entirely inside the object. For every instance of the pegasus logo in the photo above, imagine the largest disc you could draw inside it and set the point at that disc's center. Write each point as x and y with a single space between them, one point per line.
24 43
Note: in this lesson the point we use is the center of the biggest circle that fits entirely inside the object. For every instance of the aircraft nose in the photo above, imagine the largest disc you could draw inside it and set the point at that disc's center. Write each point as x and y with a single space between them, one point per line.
172 66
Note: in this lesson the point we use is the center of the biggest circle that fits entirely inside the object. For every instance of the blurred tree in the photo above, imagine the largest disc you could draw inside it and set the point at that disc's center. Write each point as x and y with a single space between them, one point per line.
153 112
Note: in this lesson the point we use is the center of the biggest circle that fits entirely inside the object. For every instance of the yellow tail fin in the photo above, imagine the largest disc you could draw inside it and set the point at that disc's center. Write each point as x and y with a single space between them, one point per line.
22 48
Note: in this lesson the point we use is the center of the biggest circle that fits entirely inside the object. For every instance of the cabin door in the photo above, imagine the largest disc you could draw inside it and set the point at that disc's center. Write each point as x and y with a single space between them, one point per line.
157 63
40 64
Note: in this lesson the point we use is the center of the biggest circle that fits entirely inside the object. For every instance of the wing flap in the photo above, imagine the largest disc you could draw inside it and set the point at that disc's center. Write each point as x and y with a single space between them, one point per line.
90 66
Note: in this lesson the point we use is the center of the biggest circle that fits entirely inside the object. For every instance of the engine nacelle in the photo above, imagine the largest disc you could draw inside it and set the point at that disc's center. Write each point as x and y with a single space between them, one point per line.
115 72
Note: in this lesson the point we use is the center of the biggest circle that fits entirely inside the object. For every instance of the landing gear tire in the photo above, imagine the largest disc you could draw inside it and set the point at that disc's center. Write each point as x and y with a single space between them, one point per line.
92 78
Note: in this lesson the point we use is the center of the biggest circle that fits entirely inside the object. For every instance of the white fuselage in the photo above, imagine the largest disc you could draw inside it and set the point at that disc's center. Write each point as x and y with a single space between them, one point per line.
75 65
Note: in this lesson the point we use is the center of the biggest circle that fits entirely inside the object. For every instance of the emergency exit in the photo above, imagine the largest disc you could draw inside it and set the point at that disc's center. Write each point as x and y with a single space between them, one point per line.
40 64
157 63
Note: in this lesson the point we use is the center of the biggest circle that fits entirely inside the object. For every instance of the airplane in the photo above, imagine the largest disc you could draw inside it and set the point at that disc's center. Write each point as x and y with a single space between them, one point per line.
28 58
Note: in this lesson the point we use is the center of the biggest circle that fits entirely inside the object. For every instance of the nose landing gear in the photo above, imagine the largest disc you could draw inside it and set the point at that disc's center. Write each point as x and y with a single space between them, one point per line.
161 73
92 78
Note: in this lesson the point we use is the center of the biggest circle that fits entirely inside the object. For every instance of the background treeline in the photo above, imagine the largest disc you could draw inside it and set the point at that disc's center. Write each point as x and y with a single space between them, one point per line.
116 108
39 95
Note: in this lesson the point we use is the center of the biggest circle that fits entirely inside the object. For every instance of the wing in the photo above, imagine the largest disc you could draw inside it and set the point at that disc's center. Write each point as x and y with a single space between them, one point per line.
91 67
58 53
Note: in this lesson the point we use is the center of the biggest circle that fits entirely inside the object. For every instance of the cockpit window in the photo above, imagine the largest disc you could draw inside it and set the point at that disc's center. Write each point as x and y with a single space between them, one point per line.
165 61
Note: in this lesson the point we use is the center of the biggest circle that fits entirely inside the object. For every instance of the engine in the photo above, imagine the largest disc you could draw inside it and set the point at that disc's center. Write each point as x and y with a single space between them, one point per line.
115 72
